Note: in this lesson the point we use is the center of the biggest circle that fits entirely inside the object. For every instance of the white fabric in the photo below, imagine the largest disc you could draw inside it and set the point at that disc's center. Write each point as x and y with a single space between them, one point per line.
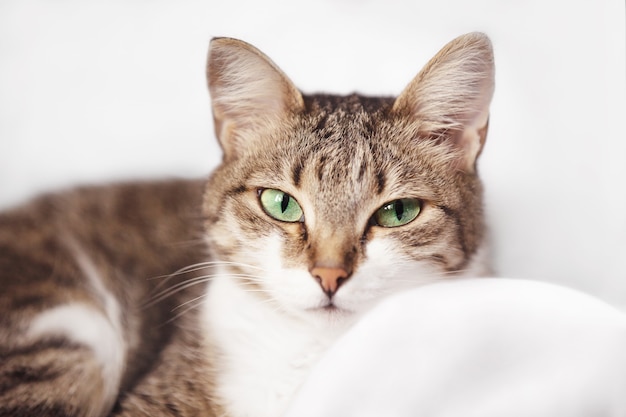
476 348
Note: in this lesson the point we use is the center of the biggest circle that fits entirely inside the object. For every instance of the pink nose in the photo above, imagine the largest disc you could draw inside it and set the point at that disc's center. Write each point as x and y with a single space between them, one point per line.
330 279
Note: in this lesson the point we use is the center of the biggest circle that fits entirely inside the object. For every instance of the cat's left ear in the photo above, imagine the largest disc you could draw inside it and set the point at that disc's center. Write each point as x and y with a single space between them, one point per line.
450 97
249 93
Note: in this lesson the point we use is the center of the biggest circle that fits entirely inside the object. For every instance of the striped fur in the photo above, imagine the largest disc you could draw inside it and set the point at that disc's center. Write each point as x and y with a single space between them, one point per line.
184 298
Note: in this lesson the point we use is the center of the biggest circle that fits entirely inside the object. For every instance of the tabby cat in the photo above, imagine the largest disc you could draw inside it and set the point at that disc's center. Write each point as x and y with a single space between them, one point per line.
215 298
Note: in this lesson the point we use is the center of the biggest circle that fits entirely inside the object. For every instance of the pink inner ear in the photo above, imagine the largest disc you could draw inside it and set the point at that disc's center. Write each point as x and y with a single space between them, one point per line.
474 134
471 140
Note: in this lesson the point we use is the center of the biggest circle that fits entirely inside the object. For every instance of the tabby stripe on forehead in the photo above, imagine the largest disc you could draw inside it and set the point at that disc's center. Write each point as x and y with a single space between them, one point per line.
321 125
320 168
368 128
380 181
362 170
297 172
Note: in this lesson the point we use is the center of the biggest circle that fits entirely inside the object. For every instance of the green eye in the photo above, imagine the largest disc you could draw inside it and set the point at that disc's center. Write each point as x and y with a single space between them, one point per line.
281 206
398 212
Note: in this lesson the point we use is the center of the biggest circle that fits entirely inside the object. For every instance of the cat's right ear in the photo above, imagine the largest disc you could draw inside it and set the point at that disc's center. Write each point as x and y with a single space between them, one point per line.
450 97
249 93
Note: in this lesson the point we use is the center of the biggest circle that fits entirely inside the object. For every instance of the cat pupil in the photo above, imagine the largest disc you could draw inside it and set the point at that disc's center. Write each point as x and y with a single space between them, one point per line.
399 207
284 203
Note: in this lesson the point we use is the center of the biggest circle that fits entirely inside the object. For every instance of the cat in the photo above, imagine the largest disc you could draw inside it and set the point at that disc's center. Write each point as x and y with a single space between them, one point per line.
216 297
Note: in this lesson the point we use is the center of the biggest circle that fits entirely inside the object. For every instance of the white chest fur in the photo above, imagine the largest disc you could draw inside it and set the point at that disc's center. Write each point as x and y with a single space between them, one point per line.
264 354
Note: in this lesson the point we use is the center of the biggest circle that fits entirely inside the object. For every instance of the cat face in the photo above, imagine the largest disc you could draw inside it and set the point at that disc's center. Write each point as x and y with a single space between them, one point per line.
325 204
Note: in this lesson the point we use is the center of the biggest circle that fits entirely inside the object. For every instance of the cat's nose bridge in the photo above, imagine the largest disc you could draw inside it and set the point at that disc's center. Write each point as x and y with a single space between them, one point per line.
332 246
332 256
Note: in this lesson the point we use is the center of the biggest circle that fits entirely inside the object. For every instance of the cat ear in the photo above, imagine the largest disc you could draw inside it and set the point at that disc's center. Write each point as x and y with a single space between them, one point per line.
450 97
249 93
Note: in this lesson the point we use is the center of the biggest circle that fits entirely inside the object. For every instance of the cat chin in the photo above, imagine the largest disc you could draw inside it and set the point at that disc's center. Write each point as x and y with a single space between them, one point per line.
331 311
328 317
339 315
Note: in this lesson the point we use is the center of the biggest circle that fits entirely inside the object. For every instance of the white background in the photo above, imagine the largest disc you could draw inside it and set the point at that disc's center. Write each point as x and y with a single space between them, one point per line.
92 91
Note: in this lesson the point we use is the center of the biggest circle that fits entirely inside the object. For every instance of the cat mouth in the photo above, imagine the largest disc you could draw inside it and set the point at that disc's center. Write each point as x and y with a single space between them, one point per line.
331 308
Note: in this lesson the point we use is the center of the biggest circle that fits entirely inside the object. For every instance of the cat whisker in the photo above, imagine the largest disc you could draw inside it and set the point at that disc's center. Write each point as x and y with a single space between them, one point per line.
195 305
184 270
203 265
168 292
163 294
233 263
186 303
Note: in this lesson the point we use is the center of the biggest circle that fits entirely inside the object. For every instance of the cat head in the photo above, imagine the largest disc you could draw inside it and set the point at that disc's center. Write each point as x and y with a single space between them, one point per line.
324 204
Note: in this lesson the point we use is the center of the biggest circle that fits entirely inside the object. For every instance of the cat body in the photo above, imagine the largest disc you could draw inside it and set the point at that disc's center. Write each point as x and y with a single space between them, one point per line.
217 297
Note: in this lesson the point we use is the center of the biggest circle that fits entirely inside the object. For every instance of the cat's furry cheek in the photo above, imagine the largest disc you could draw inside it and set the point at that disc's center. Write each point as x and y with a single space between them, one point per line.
384 271
290 289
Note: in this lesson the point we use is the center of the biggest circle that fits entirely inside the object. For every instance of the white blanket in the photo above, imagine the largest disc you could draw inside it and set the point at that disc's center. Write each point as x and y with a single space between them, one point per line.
476 348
